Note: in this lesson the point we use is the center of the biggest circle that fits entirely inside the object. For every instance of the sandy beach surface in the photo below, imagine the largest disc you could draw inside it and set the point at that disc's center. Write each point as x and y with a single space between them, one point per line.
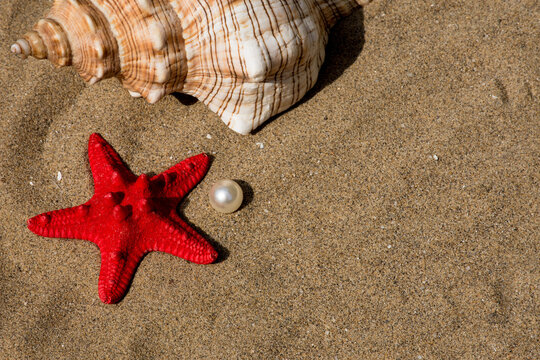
392 214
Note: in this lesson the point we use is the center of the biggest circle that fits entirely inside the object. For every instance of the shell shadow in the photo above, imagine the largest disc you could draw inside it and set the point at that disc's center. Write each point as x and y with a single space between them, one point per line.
185 99
345 44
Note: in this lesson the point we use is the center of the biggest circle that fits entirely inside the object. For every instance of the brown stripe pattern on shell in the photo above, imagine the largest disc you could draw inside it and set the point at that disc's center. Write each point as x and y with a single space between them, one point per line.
247 60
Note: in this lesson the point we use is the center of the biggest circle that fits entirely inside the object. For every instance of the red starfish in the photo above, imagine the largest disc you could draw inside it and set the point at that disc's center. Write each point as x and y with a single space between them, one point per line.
129 216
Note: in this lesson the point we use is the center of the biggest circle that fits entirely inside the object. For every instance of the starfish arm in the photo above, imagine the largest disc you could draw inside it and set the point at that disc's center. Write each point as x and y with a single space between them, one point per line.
176 238
177 181
69 223
106 165
116 273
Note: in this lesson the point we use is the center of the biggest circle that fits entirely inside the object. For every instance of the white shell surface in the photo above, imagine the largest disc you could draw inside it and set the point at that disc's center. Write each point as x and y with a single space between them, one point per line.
266 55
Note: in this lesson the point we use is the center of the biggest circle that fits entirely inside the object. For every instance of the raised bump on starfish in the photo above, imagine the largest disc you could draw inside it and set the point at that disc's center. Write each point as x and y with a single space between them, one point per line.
129 216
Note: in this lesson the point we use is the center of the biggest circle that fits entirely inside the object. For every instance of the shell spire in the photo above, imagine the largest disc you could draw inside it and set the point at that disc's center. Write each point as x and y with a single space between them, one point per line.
47 41
74 33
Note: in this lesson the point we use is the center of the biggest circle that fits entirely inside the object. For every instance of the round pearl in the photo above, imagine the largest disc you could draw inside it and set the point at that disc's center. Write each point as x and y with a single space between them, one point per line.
226 196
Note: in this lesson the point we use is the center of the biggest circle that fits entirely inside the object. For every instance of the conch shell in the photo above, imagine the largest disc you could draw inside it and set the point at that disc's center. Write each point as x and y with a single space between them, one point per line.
247 60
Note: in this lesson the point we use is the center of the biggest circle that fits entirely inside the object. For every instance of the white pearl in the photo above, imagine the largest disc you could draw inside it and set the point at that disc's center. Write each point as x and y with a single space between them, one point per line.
226 196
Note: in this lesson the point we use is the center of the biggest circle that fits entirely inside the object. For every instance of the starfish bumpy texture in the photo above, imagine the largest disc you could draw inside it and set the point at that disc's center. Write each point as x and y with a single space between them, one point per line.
129 216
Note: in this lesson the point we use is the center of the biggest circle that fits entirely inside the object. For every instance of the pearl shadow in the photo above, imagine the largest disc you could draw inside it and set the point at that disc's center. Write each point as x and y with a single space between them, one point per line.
248 193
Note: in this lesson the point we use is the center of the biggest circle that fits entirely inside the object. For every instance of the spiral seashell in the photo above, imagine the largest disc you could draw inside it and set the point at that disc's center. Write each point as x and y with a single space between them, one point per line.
247 60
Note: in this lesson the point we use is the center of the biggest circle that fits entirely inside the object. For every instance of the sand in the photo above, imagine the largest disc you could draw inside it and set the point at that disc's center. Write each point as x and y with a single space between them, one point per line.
391 214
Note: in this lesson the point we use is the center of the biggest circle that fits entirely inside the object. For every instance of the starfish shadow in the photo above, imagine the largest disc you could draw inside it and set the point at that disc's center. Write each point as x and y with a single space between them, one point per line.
223 252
